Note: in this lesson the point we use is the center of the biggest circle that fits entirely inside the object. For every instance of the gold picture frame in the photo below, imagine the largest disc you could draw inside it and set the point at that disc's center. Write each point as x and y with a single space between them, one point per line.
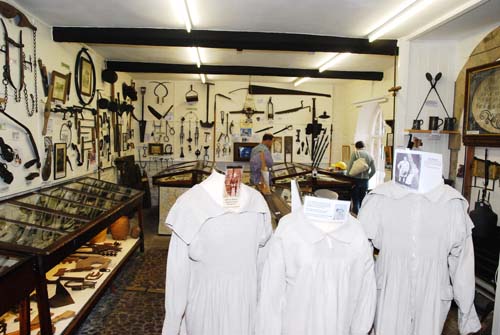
86 77
59 160
60 83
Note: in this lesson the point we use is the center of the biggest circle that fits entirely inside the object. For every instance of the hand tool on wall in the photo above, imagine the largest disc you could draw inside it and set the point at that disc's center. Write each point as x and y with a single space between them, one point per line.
196 135
142 122
324 116
222 117
219 95
168 111
295 109
181 135
191 96
264 129
307 146
231 125
270 109
189 139
46 109
321 152
217 150
182 152
433 82
47 165
6 151
197 153
207 124
45 77
207 134
289 127
205 156
154 112
158 87
5 174
298 136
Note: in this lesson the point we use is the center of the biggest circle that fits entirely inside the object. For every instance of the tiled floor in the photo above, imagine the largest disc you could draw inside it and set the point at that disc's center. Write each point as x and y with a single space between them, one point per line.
135 303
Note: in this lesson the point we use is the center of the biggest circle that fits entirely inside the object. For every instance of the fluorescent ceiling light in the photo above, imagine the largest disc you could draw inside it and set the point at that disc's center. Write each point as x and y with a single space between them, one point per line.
195 51
300 81
186 15
334 60
451 15
402 17
203 78
392 14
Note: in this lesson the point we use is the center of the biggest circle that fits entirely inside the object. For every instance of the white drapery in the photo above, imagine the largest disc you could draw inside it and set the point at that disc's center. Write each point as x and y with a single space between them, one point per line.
370 129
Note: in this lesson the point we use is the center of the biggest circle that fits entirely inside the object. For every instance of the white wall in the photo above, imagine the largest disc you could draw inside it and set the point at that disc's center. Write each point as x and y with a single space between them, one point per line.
346 114
55 56
176 96
421 56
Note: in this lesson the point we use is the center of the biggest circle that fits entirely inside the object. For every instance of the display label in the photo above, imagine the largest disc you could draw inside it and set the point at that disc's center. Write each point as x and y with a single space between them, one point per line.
232 188
417 170
326 209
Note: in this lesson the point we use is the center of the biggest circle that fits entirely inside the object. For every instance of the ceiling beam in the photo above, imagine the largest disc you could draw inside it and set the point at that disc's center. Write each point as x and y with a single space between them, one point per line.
240 70
224 40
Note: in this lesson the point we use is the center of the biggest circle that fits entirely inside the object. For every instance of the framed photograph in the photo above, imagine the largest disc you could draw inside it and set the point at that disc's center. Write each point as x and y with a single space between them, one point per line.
277 145
86 78
482 106
60 84
59 160
155 148
408 168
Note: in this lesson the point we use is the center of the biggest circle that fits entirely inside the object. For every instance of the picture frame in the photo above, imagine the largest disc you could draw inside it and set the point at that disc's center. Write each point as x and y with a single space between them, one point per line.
481 125
155 148
86 77
59 160
60 83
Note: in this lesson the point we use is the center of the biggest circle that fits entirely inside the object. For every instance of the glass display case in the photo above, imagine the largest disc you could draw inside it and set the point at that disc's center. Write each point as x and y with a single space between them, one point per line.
186 174
52 223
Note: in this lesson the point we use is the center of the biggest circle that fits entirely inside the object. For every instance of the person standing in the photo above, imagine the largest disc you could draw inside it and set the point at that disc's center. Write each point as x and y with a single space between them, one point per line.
361 179
261 160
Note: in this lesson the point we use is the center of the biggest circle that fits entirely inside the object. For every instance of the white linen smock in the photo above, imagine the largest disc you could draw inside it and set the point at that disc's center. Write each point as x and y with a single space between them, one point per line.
426 259
317 283
212 265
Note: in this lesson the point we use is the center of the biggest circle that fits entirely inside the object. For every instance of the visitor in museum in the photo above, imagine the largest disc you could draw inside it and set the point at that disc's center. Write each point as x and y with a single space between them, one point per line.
261 159
362 167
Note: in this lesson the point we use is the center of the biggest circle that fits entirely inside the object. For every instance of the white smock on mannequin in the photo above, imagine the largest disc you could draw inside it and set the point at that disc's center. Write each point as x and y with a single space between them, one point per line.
426 256
318 279
212 266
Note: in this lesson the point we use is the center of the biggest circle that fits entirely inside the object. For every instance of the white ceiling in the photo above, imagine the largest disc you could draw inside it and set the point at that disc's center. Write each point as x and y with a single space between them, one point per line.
351 18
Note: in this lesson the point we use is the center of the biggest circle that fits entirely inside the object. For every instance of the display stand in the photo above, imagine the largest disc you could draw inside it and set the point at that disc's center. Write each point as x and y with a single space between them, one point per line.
59 220
17 281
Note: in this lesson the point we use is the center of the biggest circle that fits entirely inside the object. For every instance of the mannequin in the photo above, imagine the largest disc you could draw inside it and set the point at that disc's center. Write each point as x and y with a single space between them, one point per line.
214 185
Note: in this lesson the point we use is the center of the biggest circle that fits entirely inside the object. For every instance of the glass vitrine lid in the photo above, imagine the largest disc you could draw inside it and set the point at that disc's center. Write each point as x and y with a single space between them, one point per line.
98 192
86 199
22 235
7 262
108 186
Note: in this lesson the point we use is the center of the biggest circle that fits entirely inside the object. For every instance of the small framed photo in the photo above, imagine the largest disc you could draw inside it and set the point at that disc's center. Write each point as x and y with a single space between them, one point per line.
60 85
59 160
86 77
155 148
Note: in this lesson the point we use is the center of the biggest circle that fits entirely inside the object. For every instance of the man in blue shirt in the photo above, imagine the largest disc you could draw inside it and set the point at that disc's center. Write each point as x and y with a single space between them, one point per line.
261 159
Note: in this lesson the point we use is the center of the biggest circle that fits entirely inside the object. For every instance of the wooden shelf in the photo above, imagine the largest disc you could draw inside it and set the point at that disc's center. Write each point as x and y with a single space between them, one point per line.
424 131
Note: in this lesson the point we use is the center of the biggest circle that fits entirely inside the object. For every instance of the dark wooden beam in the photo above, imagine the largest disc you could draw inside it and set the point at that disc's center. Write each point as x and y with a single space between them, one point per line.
240 70
224 40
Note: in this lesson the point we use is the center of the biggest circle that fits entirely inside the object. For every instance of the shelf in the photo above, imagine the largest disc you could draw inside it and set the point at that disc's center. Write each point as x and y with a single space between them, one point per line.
84 299
424 131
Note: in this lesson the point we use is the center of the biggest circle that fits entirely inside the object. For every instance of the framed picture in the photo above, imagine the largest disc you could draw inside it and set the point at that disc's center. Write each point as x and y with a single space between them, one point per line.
277 145
86 78
155 148
60 84
59 160
482 106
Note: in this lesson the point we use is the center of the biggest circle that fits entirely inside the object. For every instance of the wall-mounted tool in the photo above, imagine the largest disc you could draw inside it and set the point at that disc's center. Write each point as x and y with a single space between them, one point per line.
189 139
6 151
324 116
207 134
295 109
47 165
196 135
218 95
154 112
45 77
170 130
182 152
197 153
79 160
222 117
168 111
231 126
207 124
5 174
160 85
191 96
205 156
168 150
289 127
298 136
264 129
433 82
142 122
217 150
181 135
307 146
270 109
